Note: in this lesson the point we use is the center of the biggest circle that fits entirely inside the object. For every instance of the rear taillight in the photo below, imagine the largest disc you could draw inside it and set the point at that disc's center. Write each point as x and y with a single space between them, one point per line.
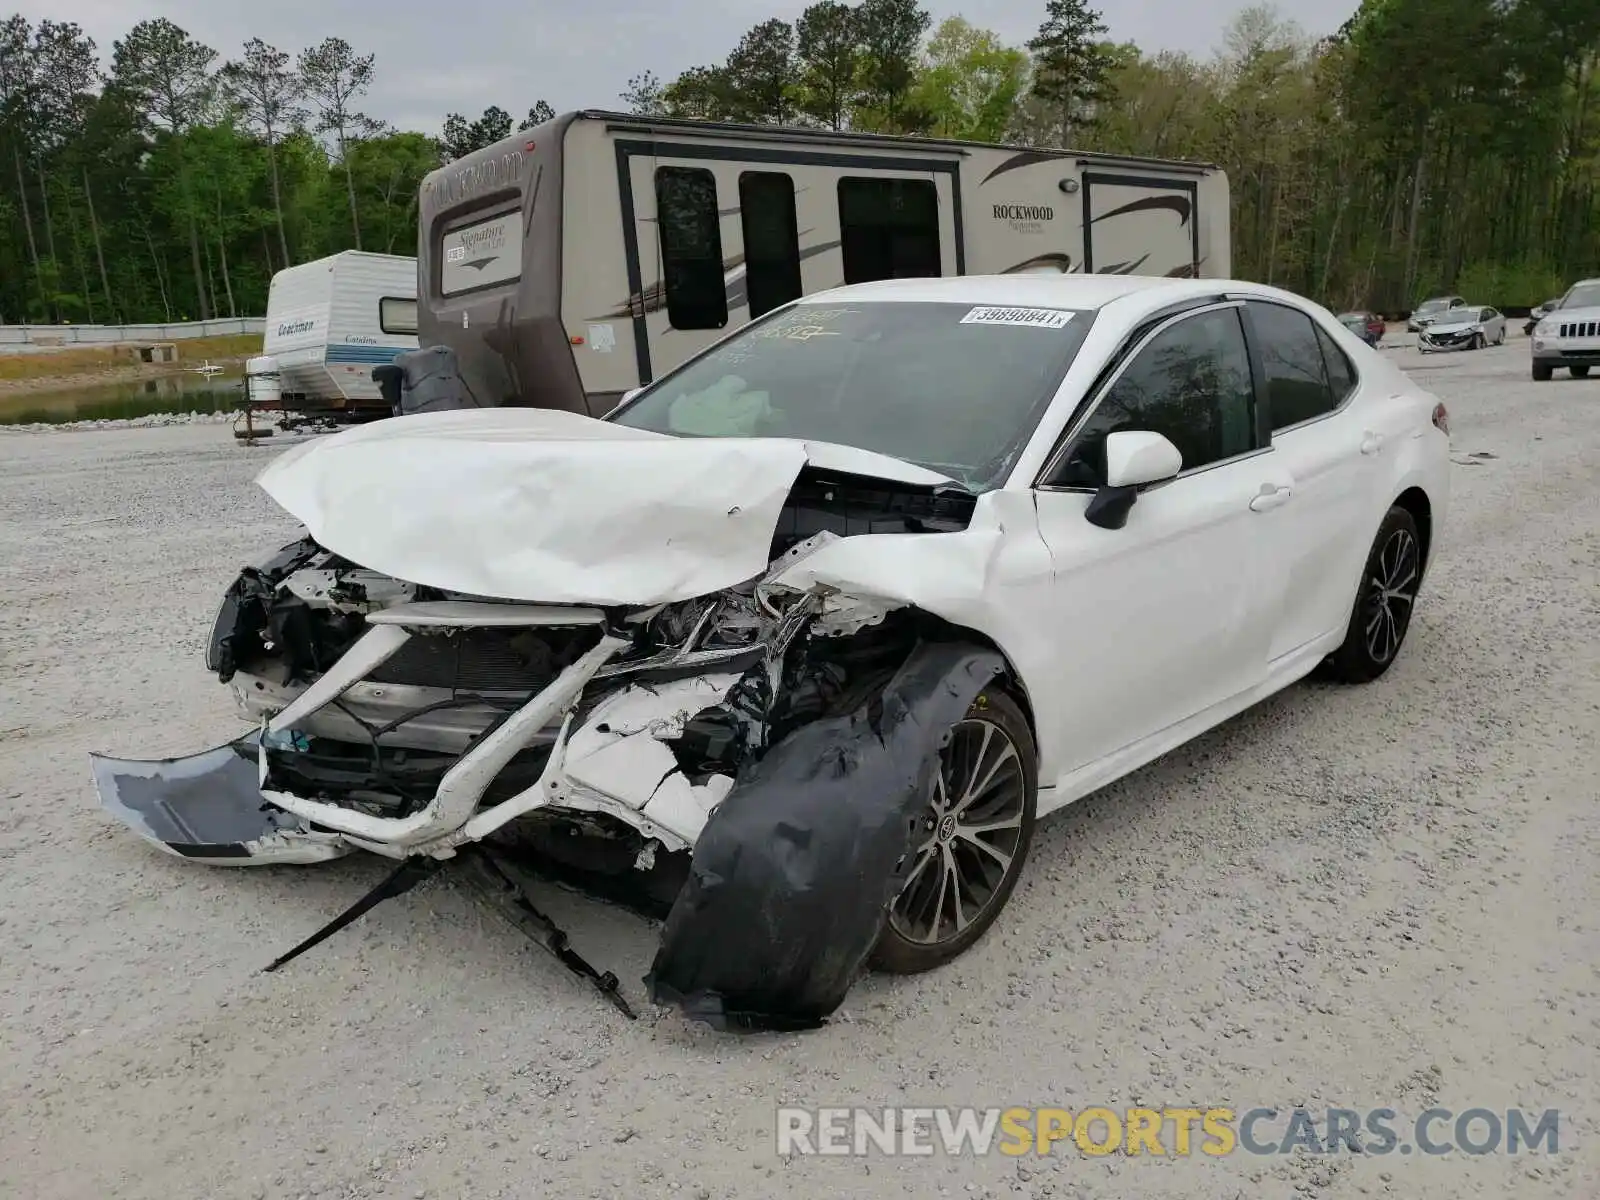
1441 419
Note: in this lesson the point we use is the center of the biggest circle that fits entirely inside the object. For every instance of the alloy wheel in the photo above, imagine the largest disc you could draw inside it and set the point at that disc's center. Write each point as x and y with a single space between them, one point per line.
970 835
1391 593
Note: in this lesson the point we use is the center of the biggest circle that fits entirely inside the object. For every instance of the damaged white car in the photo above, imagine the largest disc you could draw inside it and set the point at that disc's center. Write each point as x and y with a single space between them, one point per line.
804 636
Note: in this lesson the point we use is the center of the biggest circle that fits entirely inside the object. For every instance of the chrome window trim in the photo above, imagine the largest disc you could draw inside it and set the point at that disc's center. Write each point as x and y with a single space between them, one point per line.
1211 466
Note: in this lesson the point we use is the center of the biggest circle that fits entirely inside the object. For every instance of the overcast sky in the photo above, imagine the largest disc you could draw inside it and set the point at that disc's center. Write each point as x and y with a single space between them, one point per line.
438 56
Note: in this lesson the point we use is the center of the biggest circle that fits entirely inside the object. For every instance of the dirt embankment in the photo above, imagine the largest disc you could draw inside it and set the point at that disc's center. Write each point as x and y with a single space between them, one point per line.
93 366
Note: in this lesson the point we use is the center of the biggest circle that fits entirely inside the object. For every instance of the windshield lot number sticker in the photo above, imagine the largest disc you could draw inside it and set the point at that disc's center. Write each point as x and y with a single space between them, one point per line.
1036 318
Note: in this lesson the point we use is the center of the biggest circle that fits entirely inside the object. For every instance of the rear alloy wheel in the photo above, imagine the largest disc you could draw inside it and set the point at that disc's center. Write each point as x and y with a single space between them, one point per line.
1541 372
1384 602
1580 372
969 843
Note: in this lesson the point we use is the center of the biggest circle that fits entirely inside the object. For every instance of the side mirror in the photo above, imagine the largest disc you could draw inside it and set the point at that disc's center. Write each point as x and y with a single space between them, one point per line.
1135 458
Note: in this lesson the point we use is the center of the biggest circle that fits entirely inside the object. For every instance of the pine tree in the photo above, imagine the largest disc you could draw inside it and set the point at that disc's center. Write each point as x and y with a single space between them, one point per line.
1070 63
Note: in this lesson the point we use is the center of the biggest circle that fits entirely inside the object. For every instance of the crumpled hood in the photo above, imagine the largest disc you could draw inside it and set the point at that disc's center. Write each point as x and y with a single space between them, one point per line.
541 505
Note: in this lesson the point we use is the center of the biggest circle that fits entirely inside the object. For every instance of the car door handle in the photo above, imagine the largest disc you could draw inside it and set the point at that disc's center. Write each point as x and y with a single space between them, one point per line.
1271 497
1371 443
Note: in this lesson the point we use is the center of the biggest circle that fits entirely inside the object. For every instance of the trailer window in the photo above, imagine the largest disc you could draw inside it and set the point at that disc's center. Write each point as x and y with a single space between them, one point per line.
691 247
396 314
771 240
889 229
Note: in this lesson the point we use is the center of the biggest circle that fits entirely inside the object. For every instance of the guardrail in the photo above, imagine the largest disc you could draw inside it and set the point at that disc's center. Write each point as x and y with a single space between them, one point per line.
17 337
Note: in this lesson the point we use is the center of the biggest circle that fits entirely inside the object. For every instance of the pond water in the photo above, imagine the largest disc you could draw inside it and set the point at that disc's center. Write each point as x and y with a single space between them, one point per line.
184 393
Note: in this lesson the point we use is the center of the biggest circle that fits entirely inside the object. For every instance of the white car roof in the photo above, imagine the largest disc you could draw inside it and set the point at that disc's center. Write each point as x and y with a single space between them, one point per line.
1144 292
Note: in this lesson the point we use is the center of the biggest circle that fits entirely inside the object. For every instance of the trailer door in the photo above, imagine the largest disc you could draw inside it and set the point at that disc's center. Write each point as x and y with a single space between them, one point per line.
718 234
1140 225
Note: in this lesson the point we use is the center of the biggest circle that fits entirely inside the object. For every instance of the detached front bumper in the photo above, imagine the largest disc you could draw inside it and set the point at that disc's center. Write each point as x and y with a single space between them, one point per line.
226 805
208 808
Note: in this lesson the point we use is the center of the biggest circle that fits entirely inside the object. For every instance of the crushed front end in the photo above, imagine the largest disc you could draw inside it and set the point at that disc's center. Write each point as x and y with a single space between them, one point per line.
412 722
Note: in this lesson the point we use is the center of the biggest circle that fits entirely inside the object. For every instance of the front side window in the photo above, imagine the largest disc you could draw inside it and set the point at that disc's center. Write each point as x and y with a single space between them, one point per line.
1297 378
691 247
888 229
956 388
1191 384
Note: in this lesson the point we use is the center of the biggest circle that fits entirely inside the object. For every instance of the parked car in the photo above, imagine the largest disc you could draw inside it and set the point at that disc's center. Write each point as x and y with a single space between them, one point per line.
1431 310
1367 326
1470 328
807 608
1569 335
1538 314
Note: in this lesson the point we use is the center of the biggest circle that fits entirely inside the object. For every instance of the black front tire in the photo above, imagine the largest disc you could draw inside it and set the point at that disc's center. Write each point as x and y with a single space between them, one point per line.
1542 372
1381 615
1580 372
898 953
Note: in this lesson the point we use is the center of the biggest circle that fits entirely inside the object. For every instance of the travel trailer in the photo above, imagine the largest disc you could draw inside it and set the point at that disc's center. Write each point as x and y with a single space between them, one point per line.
578 260
329 322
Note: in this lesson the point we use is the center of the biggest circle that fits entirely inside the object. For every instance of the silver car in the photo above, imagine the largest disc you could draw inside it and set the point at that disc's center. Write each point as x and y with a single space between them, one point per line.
1432 310
1470 328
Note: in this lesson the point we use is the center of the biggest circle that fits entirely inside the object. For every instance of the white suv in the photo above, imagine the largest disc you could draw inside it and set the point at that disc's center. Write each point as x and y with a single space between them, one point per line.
1569 334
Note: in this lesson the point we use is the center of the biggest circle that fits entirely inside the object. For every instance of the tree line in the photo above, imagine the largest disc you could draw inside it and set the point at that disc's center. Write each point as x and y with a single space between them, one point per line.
1426 145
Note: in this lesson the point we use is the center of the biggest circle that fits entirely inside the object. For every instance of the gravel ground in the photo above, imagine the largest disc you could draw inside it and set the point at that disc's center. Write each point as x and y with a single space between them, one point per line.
1368 897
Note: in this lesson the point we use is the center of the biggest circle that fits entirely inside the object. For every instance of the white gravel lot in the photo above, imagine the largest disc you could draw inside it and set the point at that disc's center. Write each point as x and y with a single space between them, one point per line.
1374 897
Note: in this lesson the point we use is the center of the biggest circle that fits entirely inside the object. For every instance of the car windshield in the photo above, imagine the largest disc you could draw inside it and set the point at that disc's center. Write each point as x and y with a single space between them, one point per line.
1352 318
1584 295
1437 304
957 388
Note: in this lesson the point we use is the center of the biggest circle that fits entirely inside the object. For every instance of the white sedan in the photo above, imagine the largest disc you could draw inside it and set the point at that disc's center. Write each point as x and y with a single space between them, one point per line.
804 637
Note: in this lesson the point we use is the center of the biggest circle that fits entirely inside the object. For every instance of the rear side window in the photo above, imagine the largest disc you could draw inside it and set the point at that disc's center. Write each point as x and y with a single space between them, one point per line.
771 240
1341 372
889 229
691 247
1297 380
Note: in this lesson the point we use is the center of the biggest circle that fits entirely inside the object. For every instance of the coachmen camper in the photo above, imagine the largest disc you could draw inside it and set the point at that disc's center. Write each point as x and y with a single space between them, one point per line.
329 322
583 258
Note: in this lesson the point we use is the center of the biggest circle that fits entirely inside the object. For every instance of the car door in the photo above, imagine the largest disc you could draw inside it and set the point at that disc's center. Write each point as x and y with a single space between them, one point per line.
1333 458
1169 615
1494 326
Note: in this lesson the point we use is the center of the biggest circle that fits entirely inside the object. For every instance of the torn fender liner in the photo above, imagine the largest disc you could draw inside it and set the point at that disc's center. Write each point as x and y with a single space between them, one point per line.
208 807
797 867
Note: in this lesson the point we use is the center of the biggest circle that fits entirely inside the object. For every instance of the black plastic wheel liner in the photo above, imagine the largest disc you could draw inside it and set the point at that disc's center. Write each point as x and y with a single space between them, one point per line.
796 868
